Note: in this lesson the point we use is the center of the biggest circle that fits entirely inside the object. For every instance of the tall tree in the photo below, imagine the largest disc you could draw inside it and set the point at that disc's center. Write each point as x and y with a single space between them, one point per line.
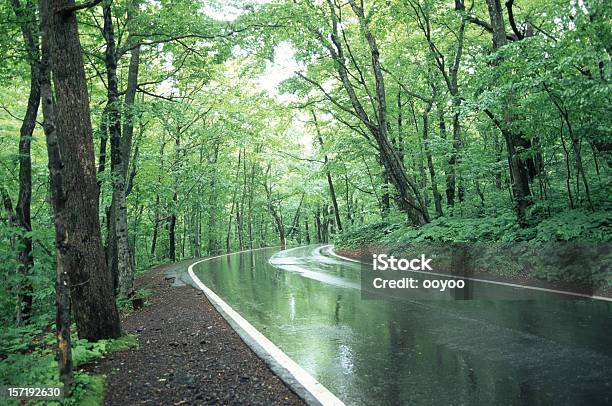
26 14
79 243
409 197
330 183
119 254
426 144
450 75
514 141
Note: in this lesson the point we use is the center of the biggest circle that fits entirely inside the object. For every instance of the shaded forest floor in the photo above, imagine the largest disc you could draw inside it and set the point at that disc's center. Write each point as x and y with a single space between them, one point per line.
186 354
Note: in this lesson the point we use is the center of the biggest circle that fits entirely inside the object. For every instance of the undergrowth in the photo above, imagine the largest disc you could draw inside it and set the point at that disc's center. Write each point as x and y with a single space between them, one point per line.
546 250
28 359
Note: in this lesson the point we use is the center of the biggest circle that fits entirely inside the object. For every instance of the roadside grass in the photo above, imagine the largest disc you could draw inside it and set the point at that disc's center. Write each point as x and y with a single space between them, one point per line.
572 246
27 357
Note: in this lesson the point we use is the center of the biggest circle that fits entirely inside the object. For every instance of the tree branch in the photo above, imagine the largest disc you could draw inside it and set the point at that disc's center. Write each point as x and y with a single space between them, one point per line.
77 7
487 27
517 32
327 95
159 96
405 89
298 158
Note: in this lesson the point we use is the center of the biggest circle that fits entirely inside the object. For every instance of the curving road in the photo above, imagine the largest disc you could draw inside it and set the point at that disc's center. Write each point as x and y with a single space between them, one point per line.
545 350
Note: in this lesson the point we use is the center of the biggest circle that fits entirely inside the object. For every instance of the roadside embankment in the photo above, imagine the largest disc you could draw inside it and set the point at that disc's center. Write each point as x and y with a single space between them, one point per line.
490 248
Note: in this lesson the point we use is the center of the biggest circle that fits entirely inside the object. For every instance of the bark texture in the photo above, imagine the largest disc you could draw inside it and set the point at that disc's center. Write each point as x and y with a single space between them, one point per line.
518 166
119 255
76 208
26 14
62 279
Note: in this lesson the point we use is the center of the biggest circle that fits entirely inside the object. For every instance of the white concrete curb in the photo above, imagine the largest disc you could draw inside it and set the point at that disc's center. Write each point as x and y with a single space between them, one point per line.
300 381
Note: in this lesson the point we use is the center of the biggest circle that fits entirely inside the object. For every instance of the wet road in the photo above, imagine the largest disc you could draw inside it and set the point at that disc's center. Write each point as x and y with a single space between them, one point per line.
541 350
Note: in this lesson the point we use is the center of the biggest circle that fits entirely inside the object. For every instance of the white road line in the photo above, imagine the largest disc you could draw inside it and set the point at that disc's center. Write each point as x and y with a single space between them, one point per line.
513 285
294 375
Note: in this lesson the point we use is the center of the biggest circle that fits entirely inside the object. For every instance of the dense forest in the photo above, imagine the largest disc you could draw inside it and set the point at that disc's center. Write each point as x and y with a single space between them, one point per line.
137 132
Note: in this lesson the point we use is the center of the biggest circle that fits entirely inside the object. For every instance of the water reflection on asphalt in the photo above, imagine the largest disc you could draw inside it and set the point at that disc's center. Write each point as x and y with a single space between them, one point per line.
378 352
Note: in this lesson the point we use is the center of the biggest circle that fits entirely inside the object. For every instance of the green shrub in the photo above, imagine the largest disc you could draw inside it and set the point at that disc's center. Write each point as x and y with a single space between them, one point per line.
502 247
34 364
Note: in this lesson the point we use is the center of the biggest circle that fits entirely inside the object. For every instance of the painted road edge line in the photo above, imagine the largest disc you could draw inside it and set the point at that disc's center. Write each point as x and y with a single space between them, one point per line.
333 253
300 381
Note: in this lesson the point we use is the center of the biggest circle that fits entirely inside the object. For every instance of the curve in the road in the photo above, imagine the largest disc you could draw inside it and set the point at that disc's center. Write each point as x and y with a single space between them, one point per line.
300 381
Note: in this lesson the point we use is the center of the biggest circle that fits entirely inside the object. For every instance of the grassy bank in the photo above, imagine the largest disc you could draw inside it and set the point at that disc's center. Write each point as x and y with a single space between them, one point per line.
28 359
571 247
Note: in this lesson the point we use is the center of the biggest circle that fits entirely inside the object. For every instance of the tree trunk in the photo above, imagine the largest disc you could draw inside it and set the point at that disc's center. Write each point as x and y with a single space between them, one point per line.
498 157
568 176
73 176
325 225
276 214
231 215
128 124
307 232
240 211
452 161
347 195
385 198
62 278
173 214
318 225
172 230
576 142
103 131
250 203
332 191
432 171
295 224
155 226
399 144
518 166
130 92
449 170
27 16
212 204
120 256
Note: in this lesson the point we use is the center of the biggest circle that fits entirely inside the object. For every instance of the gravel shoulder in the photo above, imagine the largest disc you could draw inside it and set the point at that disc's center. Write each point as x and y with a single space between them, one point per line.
187 354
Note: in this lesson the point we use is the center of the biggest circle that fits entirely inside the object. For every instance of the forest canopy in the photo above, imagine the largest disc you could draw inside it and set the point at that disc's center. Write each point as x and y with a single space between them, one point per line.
136 132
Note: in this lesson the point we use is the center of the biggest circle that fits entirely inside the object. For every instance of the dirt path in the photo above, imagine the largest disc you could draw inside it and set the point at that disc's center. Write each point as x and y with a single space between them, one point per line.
187 355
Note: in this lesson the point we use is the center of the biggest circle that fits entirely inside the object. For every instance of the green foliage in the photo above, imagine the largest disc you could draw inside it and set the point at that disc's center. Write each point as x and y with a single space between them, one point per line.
84 351
28 359
503 248
41 277
450 229
88 390
125 304
576 225
366 235
225 144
